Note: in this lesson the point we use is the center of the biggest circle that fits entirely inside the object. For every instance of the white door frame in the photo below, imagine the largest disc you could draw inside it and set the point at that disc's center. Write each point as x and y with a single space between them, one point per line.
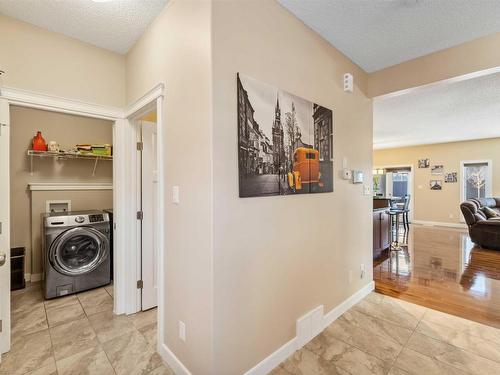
5 228
125 259
410 187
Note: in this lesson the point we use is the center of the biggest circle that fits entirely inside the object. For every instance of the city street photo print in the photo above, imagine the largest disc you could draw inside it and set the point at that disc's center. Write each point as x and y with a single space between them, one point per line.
285 143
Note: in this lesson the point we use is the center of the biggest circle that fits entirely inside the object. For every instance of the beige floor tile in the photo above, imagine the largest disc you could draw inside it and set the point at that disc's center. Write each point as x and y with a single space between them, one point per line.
91 361
24 299
374 336
95 301
463 325
64 312
130 354
346 356
73 337
107 325
396 311
461 339
144 318
378 346
305 362
162 370
150 332
28 320
46 370
415 363
452 355
110 289
27 353
397 371
280 370
60 301
374 297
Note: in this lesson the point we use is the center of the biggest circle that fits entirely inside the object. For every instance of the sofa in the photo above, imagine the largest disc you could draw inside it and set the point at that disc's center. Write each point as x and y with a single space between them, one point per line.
482 216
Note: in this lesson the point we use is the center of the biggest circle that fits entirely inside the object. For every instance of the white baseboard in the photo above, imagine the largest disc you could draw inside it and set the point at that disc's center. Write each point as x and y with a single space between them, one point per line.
172 361
36 277
439 224
336 312
272 361
33 277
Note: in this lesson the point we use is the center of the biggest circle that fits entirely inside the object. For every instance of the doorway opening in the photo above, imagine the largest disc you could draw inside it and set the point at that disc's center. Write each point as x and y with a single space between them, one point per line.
101 304
147 207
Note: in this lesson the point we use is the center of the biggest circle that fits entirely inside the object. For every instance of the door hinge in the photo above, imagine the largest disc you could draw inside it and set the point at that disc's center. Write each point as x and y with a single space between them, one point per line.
140 146
140 284
140 215
0 326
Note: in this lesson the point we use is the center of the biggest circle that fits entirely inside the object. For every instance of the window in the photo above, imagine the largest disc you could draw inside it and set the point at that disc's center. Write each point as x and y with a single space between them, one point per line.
476 179
400 184
310 155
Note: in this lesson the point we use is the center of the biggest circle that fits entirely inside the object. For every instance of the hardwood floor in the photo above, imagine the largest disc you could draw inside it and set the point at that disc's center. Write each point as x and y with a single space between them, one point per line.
443 270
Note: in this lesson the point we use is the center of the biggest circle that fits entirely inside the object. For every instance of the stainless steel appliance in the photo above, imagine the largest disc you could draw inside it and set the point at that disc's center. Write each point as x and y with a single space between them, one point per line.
76 251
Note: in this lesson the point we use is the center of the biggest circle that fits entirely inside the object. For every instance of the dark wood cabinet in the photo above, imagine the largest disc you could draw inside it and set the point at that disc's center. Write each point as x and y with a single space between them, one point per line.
381 231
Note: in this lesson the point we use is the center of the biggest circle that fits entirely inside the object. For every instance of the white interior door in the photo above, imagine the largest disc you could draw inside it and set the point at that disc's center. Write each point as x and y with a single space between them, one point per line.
150 216
4 229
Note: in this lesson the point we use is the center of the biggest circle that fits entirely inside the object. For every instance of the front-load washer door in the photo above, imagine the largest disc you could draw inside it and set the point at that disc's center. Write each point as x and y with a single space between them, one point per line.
78 251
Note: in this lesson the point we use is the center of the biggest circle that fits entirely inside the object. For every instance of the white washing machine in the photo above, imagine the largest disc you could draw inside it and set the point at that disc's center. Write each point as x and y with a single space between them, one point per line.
76 252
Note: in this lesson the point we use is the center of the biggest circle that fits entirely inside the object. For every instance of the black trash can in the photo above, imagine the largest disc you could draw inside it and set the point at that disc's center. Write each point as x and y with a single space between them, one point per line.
17 255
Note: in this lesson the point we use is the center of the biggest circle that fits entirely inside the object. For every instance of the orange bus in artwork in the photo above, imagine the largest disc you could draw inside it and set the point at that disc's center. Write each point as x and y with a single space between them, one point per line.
305 168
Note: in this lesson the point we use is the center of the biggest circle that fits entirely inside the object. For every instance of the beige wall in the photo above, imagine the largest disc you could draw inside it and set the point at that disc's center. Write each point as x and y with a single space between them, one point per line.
175 50
438 205
42 61
67 130
276 258
477 55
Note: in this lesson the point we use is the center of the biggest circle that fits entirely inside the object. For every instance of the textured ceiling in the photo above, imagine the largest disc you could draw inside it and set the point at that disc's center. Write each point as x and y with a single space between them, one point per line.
445 112
114 25
376 34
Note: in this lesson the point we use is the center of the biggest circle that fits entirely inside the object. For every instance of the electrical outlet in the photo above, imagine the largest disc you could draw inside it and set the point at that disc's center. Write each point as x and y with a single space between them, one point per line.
182 330
450 216
363 270
350 276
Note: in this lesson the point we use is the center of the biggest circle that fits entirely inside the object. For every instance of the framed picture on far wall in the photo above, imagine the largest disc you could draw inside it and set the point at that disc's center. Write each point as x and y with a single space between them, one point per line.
450 177
424 163
436 185
285 143
437 169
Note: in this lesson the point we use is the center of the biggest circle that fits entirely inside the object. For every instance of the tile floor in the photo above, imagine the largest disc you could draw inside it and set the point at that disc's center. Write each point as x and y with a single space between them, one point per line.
380 335
79 334
384 335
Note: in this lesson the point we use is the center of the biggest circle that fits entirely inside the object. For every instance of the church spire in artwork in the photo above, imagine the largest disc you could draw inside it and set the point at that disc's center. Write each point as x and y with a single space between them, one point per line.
277 114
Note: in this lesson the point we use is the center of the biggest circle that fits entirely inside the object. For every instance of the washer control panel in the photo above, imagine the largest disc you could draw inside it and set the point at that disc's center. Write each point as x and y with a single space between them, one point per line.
77 218
96 218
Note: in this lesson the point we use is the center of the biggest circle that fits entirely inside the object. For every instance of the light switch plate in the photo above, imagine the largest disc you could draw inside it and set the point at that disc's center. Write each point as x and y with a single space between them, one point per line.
175 195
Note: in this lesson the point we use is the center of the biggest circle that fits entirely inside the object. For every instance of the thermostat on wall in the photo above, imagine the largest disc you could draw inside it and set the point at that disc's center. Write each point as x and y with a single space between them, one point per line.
357 177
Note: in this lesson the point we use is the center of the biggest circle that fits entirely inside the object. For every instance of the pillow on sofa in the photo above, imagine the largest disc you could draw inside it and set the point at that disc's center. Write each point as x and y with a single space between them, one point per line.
489 212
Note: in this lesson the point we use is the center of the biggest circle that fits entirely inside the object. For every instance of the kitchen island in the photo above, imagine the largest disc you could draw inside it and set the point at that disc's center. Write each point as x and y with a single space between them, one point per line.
381 225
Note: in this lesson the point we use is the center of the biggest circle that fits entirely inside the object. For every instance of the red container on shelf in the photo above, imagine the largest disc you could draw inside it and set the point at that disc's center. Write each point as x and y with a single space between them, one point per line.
39 143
